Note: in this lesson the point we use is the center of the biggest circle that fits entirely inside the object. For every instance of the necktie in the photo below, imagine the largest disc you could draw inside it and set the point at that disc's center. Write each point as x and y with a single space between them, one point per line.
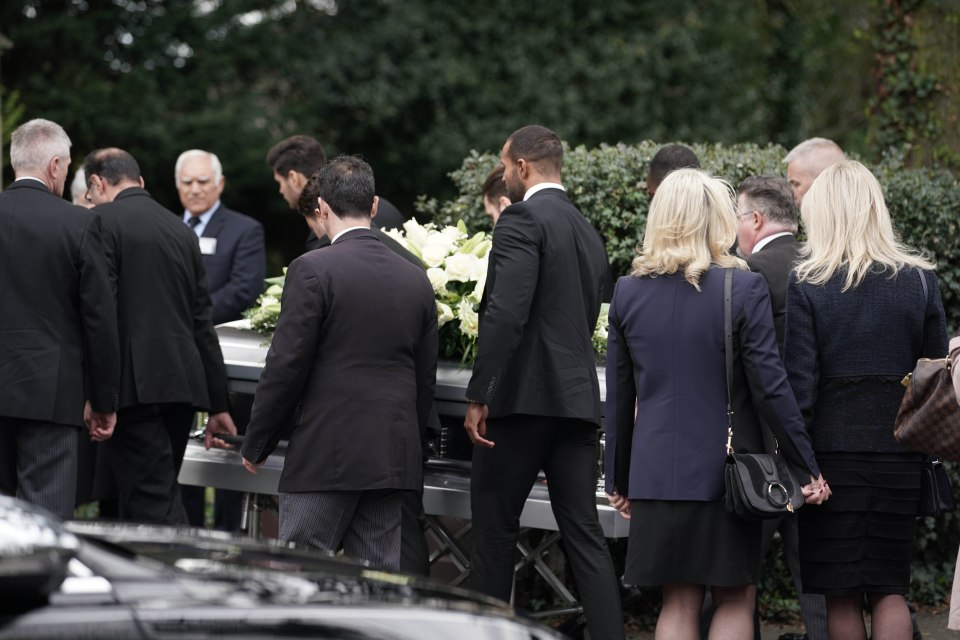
193 221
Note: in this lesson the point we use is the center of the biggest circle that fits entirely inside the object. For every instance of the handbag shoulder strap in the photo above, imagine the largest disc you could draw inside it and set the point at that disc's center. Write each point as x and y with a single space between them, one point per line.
728 350
926 293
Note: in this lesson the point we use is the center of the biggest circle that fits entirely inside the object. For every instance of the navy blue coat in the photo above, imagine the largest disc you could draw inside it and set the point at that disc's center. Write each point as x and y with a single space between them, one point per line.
235 272
666 352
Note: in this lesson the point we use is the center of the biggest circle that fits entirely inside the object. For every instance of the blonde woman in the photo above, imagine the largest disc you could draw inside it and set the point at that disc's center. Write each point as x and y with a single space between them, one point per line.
861 308
665 462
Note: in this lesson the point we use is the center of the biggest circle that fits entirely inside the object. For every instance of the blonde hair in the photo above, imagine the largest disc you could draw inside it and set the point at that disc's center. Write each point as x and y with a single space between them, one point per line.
848 228
692 223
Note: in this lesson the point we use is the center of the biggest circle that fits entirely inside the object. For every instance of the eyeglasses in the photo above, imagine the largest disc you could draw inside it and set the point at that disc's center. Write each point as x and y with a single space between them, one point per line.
743 214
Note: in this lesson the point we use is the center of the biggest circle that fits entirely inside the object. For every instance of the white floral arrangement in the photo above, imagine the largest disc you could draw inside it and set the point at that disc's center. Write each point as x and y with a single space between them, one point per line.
457 269
263 316
600 331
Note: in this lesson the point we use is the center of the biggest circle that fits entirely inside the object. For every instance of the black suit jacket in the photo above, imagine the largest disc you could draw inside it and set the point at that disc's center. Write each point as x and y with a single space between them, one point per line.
540 307
58 327
353 365
775 262
235 272
168 345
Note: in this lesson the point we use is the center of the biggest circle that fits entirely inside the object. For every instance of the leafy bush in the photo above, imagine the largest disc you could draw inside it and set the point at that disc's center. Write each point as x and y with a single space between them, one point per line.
608 183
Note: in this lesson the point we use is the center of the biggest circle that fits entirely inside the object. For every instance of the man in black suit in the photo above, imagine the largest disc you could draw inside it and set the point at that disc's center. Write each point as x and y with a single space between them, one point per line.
534 399
234 254
767 222
58 326
171 357
294 160
353 366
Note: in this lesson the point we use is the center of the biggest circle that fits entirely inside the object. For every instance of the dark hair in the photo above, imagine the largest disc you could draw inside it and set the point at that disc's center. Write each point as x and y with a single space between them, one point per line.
771 196
667 159
345 183
298 153
537 145
493 185
112 165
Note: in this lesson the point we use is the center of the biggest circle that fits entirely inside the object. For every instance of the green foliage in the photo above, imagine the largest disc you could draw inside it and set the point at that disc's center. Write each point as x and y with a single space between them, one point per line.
903 105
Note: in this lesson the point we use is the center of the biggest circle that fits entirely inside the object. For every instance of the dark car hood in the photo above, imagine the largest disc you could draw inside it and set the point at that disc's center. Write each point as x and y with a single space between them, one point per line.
196 583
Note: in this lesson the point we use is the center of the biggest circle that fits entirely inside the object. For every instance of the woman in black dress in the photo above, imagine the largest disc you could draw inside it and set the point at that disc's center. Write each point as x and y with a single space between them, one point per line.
861 309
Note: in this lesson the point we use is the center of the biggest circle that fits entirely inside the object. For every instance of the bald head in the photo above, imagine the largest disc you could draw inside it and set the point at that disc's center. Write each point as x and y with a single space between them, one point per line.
806 160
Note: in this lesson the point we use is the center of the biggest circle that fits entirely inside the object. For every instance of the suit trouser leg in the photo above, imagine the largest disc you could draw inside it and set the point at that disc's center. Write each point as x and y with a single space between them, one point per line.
414 555
500 481
317 519
43 456
813 608
365 523
141 456
8 456
374 531
571 470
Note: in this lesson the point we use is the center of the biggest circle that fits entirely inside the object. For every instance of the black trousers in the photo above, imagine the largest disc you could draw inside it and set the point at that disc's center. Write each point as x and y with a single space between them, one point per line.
414 555
144 455
501 479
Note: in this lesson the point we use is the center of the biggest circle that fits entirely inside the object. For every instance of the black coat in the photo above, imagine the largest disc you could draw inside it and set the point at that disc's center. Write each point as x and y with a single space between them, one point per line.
58 327
541 301
774 262
353 365
169 348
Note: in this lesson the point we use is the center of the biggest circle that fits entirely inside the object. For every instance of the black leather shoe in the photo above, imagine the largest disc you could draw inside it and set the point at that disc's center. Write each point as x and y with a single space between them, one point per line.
793 636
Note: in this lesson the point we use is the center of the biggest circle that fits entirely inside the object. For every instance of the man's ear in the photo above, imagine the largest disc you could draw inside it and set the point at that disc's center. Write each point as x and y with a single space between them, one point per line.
523 169
373 210
297 179
503 203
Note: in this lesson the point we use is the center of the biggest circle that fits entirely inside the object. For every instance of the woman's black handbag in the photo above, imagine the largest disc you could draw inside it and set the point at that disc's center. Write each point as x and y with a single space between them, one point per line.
758 486
936 494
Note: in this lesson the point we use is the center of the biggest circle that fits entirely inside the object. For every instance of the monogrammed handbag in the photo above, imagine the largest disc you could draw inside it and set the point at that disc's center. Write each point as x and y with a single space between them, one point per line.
929 416
757 486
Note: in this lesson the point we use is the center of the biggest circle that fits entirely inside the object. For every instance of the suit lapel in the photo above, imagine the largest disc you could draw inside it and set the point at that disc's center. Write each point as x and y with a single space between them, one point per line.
217 220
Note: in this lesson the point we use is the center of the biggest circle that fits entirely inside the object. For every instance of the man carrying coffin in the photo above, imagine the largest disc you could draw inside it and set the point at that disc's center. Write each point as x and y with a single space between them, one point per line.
353 366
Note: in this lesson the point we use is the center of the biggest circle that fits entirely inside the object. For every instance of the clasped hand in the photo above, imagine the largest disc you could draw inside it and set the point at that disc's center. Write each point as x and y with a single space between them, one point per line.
817 491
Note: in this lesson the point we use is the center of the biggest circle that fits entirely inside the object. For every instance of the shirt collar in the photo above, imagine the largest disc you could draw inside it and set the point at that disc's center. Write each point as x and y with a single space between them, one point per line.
540 187
336 237
31 178
762 243
204 217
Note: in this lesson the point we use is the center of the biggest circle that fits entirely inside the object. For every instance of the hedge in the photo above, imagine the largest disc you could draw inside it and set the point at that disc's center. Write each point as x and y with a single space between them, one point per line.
608 184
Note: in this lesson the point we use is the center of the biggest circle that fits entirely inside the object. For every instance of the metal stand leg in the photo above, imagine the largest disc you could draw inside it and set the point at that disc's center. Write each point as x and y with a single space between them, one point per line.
449 544
250 517
535 557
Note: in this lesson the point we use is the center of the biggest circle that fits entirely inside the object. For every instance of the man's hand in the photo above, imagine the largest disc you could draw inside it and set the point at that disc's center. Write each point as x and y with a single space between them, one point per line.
620 503
100 425
250 466
219 423
476 424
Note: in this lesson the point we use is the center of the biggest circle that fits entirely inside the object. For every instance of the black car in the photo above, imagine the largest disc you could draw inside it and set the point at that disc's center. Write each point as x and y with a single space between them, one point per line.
98 580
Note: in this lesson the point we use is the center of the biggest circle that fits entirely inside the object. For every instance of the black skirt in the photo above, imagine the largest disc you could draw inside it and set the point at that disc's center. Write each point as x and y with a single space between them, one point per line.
692 542
861 539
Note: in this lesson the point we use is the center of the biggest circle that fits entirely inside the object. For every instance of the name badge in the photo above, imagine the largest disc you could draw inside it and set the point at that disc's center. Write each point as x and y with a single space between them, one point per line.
208 246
